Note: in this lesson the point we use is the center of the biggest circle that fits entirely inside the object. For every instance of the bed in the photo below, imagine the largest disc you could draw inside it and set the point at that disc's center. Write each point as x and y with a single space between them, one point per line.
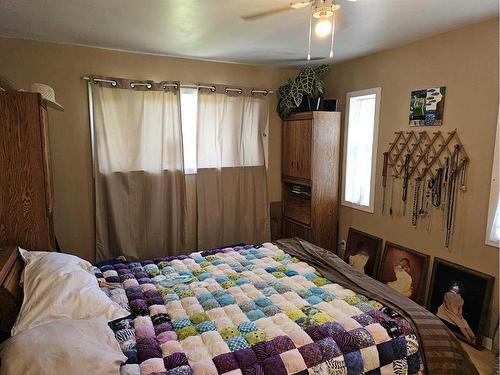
283 308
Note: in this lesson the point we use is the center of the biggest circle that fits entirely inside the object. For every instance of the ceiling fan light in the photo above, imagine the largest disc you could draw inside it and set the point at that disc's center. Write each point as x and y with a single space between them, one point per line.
323 28
323 13
300 4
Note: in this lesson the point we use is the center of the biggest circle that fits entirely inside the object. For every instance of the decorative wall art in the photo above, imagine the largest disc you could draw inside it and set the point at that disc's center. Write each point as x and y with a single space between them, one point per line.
363 251
404 270
460 297
427 106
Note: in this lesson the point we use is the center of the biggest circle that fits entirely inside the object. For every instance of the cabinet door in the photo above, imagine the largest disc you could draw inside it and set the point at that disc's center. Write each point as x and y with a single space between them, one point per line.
297 148
24 219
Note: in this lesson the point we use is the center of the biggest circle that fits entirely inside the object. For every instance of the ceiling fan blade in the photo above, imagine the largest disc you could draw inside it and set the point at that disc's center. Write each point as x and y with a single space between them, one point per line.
254 16
291 6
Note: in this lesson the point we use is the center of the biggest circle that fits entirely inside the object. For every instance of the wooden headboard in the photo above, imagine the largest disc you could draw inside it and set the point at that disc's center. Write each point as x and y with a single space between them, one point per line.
11 294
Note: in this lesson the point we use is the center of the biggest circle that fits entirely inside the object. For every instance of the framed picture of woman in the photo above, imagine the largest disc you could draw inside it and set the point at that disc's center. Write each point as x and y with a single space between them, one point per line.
460 297
362 251
405 271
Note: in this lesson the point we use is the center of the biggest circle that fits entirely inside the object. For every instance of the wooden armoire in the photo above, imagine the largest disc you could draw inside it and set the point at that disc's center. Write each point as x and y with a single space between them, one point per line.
26 209
310 174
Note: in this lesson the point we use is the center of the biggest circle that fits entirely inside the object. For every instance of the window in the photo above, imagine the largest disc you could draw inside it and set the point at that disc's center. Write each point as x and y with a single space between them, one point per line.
493 228
189 113
360 148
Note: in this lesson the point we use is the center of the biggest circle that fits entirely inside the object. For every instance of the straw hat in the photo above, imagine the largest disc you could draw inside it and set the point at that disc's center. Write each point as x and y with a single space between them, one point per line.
48 95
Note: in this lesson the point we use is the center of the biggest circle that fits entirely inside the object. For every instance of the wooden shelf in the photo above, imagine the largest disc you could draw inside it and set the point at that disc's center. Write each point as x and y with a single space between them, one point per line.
295 180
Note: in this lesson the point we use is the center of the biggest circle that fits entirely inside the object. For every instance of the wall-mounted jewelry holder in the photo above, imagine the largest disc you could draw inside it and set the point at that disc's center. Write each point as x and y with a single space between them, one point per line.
437 162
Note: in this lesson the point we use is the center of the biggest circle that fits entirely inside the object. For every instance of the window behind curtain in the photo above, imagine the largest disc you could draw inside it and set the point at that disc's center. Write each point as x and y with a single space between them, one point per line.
360 148
189 113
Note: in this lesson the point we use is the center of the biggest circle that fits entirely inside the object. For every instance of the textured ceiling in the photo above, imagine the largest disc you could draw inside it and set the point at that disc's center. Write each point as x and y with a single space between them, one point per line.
213 30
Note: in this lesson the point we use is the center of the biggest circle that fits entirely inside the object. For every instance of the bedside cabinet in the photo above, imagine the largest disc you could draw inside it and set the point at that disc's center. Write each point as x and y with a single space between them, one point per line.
11 266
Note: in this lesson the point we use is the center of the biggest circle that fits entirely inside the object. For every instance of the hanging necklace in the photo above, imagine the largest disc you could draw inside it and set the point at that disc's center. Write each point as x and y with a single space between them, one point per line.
437 185
406 176
416 194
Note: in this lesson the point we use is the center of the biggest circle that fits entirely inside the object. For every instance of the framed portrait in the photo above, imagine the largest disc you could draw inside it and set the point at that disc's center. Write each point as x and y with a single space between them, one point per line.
405 271
460 297
362 251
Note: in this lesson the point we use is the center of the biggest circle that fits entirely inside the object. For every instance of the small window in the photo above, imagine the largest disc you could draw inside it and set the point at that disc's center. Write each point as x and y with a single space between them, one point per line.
189 114
360 149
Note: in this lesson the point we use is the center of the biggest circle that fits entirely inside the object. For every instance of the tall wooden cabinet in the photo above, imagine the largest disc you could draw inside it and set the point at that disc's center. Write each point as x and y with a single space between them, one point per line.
310 174
26 209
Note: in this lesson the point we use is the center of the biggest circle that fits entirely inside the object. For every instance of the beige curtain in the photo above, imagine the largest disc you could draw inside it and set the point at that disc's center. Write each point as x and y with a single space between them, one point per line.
138 166
231 180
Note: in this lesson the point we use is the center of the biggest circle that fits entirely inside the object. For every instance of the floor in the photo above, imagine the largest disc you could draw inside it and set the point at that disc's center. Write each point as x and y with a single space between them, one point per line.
483 360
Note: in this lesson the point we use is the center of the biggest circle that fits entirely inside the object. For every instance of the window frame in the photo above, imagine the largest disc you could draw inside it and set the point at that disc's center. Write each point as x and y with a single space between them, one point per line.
494 190
377 92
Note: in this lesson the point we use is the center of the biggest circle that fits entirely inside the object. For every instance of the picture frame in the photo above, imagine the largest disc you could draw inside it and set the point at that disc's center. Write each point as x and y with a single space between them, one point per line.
460 297
404 270
427 106
362 251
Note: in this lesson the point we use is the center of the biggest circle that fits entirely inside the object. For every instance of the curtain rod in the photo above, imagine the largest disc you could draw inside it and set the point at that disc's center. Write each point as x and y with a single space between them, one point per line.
211 88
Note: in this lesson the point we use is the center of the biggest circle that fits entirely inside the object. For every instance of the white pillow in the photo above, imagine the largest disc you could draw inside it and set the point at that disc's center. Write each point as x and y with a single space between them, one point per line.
66 261
57 287
63 347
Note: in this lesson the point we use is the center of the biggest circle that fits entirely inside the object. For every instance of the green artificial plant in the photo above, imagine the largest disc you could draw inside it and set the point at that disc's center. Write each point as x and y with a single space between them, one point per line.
310 82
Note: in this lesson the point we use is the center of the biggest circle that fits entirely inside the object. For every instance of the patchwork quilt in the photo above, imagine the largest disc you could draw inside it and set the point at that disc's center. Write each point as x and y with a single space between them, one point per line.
252 310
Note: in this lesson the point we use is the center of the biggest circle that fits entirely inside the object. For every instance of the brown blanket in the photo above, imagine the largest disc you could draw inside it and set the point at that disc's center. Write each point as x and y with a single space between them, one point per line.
442 352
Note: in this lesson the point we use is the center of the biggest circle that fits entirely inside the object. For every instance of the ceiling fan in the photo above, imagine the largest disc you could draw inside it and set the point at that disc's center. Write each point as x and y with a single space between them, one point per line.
324 11
291 6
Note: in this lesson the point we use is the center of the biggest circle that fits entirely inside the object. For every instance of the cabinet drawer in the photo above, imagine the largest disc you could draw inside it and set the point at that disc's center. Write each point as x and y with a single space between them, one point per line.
292 229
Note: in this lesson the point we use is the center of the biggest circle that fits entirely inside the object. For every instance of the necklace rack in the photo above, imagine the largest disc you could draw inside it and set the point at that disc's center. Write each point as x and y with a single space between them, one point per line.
438 163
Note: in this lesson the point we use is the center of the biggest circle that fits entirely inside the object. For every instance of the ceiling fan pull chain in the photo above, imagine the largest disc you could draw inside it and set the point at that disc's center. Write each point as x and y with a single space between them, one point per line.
333 34
309 42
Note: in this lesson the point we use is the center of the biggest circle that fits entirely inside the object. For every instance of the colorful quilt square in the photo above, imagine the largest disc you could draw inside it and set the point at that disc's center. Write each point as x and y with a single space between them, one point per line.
329 348
225 363
247 327
370 358
206 326
311 354
175 360
354 363
386 353
363 337
283 344
399 347
293 361
245 357
237 343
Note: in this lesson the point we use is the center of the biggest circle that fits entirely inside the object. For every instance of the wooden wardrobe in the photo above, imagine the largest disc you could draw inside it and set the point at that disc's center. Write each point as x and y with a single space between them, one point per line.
310 174
26 209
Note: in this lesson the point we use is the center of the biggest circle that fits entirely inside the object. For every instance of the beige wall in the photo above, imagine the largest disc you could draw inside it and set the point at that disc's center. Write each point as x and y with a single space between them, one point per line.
63 66
466 62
